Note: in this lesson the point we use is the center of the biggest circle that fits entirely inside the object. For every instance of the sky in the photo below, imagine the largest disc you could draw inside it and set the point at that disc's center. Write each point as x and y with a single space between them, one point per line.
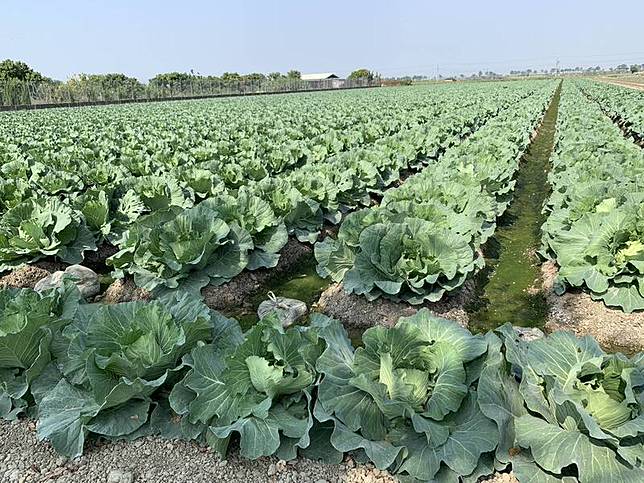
396 38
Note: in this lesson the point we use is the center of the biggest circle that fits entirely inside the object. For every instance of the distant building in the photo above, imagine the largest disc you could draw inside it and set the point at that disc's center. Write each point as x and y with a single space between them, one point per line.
324 78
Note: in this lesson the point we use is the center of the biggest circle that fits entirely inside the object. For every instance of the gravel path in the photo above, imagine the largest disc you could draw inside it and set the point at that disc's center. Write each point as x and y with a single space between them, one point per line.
23 459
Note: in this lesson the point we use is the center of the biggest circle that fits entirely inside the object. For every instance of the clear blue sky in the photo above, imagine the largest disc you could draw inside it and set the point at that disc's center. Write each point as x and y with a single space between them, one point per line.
141 38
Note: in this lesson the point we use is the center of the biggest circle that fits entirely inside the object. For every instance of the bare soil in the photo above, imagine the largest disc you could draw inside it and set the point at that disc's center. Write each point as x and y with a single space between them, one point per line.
96 259
24 277
356 312
124 290
577 312
238 291
632 85
24 459
153 460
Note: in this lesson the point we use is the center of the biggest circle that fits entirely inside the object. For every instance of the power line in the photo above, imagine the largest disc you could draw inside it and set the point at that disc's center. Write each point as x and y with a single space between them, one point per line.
614 57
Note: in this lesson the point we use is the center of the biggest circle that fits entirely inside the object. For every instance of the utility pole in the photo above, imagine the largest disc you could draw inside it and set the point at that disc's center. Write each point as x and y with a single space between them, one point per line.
557 67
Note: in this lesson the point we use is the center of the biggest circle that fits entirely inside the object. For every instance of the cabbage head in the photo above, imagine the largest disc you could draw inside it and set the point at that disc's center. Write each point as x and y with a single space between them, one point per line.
43 227
108 364
182 249
259 385
566 410
407 398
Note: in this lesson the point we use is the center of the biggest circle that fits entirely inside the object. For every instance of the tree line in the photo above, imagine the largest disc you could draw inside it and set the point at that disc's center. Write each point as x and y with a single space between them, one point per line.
20 83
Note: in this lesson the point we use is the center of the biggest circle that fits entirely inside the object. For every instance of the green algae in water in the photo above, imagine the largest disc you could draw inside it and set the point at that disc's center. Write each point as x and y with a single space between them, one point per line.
302 283
509 287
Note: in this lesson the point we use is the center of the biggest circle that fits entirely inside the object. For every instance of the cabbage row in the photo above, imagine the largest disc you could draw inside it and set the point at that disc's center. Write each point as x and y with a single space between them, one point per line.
424 399
595 225
147 199
622 104
422 240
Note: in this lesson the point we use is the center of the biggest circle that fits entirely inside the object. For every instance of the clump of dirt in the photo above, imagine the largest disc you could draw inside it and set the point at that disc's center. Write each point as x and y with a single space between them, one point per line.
234 294
24 277
356 312
500 478
124 290
577 312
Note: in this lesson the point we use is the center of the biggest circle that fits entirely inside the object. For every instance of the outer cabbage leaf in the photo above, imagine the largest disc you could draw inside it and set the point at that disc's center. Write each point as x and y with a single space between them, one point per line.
566 409
28 322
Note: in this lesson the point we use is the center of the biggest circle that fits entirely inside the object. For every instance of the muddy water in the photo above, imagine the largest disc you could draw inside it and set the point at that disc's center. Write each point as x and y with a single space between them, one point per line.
509 289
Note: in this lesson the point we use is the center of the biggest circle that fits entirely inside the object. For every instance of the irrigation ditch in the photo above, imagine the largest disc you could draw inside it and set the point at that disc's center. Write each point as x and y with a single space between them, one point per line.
509 288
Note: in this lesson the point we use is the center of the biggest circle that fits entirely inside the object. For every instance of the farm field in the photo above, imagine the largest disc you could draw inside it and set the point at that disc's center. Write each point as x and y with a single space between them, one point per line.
633 81
470 257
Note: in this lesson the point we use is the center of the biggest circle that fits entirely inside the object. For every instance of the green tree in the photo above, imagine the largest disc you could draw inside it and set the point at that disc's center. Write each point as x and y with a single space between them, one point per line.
170 80
273 76
635 68
294 74
230 77
361 74
254 77
17 70
101 87
17 80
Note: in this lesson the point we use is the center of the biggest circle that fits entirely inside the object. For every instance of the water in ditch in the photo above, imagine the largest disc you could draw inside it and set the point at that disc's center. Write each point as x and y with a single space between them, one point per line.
509 289
302 283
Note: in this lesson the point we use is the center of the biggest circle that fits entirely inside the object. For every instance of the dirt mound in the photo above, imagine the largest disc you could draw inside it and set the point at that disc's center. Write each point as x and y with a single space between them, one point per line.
23 277
124 290
577 312
356 312
235 293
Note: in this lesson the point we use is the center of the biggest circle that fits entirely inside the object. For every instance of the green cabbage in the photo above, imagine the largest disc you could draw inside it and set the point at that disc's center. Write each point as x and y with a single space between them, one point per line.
112 359
42 227
565 409
28 322
259 385
407 398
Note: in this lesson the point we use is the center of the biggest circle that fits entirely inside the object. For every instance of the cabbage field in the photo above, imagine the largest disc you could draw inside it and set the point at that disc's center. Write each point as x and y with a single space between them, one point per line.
397 198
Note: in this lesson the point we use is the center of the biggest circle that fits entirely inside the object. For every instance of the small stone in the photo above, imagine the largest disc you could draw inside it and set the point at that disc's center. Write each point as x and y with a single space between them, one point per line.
119 476
169 446
223 463
61 460
85 279
272 469
139 443
322 480
14 476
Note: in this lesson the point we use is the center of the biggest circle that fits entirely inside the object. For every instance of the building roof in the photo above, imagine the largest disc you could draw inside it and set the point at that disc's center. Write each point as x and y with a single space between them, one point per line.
322 76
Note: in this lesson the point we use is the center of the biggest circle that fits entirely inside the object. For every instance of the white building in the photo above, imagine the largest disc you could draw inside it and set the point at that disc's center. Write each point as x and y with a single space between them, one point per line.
324 79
